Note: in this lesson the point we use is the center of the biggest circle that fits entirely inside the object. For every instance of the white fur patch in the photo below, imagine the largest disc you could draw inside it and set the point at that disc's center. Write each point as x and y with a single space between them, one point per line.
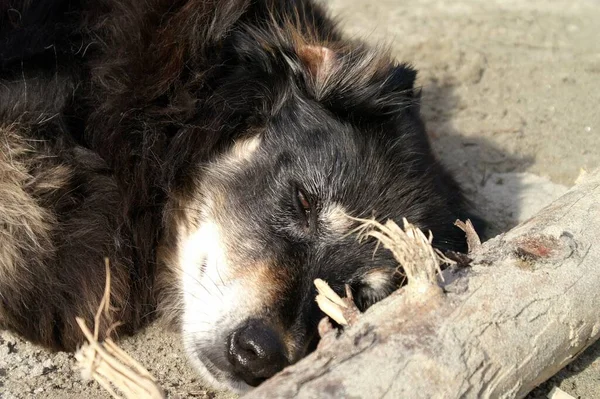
214 301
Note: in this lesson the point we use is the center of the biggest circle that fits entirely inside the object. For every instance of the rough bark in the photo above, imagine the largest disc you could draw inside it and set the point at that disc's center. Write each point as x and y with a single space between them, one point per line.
527 306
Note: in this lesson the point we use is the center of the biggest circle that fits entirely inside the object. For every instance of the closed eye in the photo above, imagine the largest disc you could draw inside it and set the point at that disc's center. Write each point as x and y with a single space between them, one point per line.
304 206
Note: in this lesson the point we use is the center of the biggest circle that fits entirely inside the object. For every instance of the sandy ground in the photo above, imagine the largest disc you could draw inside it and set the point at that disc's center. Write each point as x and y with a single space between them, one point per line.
510 94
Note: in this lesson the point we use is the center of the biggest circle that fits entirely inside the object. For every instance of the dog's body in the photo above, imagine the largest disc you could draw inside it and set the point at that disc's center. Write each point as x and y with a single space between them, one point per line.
211 150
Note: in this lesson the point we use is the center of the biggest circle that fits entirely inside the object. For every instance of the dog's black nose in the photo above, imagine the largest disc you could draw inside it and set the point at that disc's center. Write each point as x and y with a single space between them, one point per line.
256 352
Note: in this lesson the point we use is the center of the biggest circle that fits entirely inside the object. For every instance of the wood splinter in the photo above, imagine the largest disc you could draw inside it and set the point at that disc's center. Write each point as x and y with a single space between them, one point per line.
473 240
341 310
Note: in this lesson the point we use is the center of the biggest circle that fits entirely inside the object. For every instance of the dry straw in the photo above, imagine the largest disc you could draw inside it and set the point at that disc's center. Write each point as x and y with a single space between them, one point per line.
109 365
412 250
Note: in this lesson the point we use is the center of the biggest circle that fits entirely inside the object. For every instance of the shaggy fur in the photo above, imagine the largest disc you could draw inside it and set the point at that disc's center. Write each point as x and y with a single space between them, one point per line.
210 149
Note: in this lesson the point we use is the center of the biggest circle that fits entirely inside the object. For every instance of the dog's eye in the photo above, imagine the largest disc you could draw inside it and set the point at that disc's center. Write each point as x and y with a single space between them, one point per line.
303 205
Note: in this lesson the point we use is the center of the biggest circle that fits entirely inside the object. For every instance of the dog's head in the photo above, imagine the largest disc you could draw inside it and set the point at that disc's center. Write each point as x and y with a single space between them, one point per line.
333 132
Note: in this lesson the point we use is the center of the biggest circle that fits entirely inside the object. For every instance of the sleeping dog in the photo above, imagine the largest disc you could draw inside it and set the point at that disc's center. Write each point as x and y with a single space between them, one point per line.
213 151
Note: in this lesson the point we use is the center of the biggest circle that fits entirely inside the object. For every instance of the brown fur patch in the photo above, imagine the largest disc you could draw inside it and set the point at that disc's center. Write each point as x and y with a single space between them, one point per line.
263 279
318 60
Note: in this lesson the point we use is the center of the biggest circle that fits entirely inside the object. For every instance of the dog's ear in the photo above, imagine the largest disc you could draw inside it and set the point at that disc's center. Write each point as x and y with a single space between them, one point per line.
369 88
400 80
398 90
396 93
319 61
357 81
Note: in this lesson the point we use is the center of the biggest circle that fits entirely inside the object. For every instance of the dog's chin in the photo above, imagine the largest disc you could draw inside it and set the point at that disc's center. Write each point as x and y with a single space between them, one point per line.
213 375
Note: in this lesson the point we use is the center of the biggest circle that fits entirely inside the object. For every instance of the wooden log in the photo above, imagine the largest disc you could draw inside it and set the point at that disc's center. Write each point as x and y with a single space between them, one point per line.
527 306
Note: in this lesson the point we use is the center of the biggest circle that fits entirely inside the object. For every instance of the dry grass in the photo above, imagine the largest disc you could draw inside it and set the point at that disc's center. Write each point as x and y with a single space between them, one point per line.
412 250
410 247
109 365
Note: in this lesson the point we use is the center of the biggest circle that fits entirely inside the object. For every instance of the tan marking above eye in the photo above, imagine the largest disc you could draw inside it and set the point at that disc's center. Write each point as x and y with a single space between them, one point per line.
336 218
377 279
243 148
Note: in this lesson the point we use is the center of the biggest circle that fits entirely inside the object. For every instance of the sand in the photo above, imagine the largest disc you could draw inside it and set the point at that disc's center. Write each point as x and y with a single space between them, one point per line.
511 91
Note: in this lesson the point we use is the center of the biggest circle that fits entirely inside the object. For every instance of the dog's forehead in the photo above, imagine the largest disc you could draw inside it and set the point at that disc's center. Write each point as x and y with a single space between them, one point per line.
345 174
306 122
326 152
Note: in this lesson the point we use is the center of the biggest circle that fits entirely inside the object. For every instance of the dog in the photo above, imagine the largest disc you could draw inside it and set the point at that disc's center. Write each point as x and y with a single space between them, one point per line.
215 152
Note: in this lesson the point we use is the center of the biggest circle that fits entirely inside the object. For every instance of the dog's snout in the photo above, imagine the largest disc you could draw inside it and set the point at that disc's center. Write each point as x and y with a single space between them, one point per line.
256 352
